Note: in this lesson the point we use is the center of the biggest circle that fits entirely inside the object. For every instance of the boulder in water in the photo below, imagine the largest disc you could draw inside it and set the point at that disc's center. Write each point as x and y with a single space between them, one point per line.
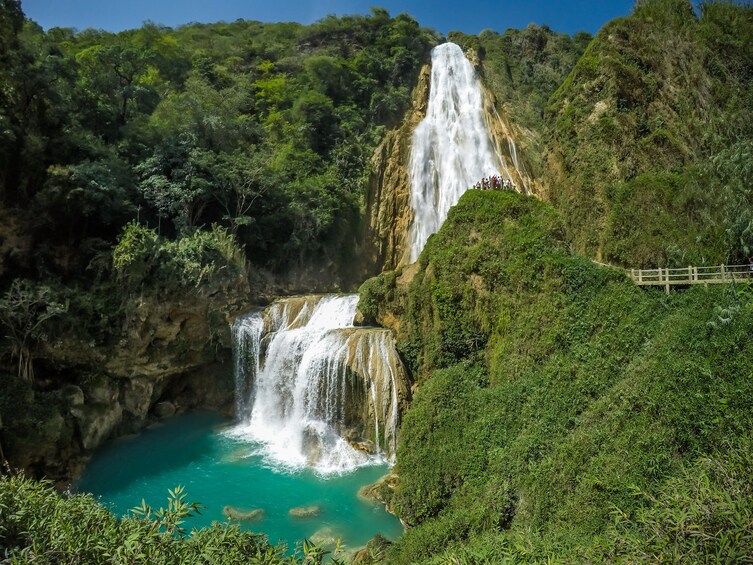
164 409
242 514
305 511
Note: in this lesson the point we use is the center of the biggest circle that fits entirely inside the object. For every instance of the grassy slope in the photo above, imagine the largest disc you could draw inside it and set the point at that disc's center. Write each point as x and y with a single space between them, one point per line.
636 127
551 388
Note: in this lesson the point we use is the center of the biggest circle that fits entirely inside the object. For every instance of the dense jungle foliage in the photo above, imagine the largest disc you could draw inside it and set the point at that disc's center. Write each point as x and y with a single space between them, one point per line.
264 129
164 164
563 412
650 152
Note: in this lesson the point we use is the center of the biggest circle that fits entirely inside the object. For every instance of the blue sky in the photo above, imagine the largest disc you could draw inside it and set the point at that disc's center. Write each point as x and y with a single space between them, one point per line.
470 16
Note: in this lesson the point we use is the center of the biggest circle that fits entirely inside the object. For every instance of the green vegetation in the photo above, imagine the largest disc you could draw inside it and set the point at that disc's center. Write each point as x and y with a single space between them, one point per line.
562 414
143 259
561 407
40 526
164 166
524 67
265 129
650 137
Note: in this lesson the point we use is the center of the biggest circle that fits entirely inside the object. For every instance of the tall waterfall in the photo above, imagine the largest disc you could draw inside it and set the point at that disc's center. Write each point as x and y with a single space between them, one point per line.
451 146
314 390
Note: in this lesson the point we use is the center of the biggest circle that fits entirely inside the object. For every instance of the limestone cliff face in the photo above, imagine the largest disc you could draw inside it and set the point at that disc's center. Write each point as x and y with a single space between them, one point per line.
388 212
511 143
379 391
170 358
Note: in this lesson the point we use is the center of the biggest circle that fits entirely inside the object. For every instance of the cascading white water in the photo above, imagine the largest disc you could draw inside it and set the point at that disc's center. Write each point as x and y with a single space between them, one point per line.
305 377
451 146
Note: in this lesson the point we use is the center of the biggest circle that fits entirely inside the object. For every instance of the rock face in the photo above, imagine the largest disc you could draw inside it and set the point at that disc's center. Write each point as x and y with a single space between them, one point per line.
172 357
96 422
388 212
511 142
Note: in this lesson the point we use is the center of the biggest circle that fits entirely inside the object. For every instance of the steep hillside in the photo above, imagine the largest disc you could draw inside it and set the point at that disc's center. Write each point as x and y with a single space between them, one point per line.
651 134
554 393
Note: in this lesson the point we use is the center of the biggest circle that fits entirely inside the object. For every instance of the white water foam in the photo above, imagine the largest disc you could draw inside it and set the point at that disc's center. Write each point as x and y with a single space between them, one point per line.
298 364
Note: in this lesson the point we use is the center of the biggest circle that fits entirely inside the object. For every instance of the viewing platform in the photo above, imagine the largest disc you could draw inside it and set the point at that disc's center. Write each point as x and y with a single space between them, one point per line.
685 276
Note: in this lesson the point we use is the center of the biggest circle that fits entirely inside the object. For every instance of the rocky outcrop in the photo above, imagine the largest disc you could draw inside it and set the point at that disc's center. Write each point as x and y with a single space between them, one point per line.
378 393
96 422
170 357
380 491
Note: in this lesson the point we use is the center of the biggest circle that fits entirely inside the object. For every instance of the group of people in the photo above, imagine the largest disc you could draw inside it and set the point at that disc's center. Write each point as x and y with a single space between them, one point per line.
495 183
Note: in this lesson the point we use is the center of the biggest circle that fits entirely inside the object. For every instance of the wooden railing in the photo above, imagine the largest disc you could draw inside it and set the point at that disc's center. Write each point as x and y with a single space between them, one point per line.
691 275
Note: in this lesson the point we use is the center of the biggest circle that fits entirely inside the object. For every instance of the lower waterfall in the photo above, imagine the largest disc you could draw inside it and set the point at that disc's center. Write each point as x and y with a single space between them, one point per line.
313 389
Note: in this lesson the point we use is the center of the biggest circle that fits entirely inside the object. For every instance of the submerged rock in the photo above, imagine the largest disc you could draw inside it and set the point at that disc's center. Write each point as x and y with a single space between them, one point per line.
326 538
311 446
242 514
305 511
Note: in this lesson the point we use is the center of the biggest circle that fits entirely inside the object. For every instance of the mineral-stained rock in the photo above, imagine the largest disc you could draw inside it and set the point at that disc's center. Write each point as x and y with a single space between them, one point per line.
326 538
137 396
388 210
